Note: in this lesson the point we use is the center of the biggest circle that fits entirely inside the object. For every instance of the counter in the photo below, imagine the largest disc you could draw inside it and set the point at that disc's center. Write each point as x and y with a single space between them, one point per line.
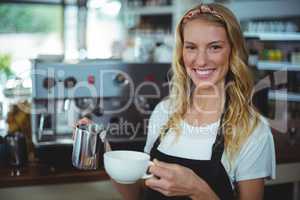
288 156
38 174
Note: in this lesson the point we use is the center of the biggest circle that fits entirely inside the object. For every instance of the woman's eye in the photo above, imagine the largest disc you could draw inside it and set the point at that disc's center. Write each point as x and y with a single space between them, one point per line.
190 47
216 47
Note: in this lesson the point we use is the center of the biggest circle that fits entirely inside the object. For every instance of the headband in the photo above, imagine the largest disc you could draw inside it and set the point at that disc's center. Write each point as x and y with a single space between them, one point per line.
202 9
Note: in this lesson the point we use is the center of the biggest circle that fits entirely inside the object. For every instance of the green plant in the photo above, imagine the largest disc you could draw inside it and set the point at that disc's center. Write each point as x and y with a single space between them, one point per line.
5 61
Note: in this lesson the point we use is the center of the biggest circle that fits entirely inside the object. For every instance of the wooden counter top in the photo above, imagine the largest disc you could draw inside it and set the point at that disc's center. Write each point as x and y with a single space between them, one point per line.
37 174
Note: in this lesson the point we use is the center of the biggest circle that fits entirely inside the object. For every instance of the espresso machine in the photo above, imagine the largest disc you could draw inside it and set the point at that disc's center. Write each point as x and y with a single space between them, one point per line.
119 96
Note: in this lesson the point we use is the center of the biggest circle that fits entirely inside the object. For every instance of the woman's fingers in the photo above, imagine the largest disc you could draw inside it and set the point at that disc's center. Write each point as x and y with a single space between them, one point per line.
165 165
84 121
164 170
161 172
81 121
161 185
157 183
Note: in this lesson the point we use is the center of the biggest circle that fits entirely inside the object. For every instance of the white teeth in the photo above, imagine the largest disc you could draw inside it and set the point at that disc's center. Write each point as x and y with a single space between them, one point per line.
204 71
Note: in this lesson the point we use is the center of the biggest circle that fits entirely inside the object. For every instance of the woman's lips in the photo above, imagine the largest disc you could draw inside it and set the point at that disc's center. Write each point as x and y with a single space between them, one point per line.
204 73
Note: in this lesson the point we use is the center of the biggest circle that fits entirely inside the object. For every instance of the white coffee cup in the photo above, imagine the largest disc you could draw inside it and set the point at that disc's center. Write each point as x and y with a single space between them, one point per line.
126 167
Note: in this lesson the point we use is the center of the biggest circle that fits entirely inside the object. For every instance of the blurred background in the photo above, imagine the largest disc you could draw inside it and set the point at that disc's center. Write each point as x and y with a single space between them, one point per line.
48 47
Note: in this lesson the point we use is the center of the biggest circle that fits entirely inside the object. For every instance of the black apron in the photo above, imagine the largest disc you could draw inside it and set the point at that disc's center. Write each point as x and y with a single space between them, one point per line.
212 171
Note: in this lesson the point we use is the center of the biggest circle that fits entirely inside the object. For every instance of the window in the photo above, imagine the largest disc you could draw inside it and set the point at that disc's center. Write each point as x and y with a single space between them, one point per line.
104 28
29 30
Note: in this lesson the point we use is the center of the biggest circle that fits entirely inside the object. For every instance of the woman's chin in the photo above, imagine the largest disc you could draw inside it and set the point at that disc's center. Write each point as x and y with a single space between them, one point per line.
207 85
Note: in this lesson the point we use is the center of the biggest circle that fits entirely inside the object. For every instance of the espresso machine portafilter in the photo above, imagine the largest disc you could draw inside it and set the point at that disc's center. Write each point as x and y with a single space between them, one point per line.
118 96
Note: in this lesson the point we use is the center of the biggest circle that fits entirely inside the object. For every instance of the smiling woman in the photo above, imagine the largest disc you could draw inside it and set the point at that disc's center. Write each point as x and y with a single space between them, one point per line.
207 140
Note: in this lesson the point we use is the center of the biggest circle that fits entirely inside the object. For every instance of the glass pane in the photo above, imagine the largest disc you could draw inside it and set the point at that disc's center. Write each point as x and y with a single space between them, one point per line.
104 28
26 31
29 30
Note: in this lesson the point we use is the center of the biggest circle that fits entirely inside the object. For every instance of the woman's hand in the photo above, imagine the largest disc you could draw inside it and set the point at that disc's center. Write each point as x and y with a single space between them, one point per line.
175 180
84 120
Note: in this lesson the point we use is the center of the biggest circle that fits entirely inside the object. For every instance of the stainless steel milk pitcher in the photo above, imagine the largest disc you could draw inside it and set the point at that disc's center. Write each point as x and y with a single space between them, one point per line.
88 146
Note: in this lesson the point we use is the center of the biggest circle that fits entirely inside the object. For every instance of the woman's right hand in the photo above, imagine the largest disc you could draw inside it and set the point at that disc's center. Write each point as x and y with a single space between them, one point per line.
84 120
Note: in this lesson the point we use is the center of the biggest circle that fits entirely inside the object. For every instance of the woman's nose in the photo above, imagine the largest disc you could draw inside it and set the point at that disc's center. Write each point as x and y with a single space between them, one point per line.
201 59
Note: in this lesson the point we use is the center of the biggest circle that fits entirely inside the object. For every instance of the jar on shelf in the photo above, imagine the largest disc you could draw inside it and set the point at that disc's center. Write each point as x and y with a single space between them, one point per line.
253 57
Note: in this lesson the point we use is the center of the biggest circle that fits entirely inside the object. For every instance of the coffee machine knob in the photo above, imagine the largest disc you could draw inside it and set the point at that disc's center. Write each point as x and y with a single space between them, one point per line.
120 79
49 83
70 82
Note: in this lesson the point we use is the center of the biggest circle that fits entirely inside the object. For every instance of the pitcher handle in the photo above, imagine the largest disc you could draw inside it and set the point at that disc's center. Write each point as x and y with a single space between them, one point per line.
103 138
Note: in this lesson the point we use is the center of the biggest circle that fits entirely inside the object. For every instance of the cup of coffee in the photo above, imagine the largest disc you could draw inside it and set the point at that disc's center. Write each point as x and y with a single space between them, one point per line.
127 167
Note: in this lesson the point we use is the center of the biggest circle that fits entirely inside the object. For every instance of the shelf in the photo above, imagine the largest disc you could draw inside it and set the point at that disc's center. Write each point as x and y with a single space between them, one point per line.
284 36
151 10
282 95
258 9
266 65
17 92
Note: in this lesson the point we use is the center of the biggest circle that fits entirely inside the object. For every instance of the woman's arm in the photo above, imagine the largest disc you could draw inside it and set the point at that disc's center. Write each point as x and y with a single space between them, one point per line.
130 191
251 189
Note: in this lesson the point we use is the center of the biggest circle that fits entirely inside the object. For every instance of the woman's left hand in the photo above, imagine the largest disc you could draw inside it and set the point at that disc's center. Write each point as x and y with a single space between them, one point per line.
176 180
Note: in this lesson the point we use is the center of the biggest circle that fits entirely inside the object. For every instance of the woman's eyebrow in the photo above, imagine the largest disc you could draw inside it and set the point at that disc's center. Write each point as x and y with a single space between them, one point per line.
216 42
210 43
187 42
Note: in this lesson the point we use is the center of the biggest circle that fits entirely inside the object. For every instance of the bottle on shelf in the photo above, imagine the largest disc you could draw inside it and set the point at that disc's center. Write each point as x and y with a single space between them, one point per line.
253 57
295 56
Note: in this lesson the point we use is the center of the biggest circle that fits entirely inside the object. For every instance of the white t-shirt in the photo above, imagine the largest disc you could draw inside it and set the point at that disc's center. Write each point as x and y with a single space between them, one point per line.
256 158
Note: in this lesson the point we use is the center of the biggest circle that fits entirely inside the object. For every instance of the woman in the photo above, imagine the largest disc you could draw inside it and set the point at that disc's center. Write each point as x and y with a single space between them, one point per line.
206 139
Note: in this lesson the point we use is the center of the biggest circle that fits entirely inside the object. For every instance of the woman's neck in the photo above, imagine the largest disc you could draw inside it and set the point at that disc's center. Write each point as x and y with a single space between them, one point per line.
209 100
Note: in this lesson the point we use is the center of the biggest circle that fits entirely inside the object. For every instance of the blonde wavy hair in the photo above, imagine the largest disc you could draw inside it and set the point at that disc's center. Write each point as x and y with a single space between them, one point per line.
240 116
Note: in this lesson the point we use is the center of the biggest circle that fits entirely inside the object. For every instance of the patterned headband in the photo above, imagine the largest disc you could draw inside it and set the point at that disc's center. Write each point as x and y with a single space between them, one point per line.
202 9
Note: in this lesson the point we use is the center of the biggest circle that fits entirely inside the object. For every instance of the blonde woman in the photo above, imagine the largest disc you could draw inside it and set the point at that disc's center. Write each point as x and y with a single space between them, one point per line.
206 139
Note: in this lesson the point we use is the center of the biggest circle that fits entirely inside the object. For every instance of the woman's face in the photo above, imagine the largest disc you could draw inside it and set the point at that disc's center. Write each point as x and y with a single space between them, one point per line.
206 52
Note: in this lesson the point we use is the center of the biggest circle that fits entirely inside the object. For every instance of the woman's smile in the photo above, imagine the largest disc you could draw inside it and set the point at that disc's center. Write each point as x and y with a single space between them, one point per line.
203 73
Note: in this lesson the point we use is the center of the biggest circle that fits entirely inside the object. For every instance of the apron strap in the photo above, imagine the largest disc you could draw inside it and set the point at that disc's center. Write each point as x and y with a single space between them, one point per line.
218 146
157 141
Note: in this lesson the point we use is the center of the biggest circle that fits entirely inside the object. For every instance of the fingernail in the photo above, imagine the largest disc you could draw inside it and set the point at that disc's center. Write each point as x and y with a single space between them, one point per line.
156 161
150 169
